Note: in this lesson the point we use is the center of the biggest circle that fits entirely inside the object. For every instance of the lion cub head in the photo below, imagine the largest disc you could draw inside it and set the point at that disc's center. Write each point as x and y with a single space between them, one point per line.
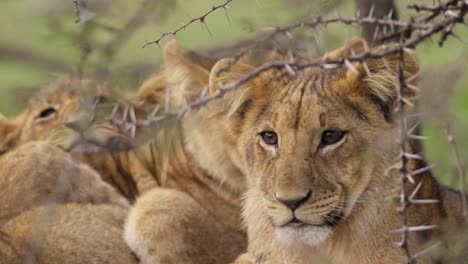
46 111
313 140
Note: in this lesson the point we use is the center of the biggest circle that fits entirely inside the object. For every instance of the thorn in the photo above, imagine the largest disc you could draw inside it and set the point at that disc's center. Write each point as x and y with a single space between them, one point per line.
290 70
410 178
413 87
390 13
202 21
417 137
227 15
421 170
316 37
376 33
351 67
416 190
125 113
414 127
155 111
114 111
425 201
366 68
329 66
133 118
371 11
414 228
407 102
366 46
411 156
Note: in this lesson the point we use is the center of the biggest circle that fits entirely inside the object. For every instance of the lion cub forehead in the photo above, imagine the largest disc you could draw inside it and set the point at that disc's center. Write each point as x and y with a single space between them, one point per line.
291 111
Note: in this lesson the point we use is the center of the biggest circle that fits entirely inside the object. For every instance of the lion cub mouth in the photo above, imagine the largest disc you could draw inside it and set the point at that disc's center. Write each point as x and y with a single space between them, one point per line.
332 219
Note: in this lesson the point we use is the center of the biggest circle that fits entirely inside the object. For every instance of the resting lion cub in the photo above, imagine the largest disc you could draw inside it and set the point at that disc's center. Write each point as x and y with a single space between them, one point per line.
317 145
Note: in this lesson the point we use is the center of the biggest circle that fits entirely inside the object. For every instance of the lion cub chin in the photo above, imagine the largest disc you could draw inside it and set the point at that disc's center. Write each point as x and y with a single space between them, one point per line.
293 236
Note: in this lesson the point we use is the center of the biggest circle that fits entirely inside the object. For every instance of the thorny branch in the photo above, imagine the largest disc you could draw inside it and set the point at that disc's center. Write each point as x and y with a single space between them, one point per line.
404 159
451 12
201 19
425 30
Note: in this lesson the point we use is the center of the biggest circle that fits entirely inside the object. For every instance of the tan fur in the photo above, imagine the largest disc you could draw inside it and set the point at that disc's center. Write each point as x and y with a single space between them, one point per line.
38 173
345 188
67 233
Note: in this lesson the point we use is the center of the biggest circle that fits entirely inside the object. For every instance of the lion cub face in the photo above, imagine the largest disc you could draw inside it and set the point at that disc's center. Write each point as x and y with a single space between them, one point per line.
310 152
46 111
312 141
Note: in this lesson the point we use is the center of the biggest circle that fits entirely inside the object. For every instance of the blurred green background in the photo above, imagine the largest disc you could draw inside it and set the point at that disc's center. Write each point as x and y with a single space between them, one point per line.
40 41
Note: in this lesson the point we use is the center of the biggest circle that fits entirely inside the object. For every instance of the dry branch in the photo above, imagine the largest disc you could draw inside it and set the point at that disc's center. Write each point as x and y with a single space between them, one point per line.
201 19
441 19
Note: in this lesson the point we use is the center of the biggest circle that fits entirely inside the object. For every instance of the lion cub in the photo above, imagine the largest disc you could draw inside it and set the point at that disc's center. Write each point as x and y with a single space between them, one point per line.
47 110
316 146
54 210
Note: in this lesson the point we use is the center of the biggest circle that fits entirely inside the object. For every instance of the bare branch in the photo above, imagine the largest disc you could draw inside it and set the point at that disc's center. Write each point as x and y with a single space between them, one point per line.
201 19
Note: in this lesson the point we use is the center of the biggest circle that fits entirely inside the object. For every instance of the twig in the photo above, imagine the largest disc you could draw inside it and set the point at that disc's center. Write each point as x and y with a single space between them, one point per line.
428 31
404 172
201 19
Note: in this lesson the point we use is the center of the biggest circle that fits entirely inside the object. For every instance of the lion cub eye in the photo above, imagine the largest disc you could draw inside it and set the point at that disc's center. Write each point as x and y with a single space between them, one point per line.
46 112
270 138
330 137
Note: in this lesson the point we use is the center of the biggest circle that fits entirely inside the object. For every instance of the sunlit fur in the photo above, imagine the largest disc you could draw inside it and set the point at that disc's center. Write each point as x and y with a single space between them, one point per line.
346 213
67 233
73 224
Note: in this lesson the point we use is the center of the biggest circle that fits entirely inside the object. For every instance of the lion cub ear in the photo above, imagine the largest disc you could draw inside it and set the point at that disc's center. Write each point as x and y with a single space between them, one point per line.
378 78
354 45
185 73
225 73
9 132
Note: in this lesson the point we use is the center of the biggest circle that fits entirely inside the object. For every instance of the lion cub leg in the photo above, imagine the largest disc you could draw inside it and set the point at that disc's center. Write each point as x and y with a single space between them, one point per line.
38 173
169 226
67 233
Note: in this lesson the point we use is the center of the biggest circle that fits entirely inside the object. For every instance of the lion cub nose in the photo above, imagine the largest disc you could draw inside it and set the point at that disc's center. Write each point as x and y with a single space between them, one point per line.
293 201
